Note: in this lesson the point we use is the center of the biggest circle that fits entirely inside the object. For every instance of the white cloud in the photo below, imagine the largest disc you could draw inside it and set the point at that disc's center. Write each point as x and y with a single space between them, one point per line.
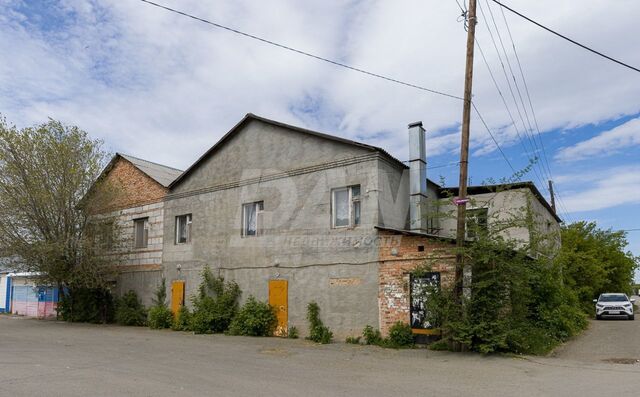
605 143
164 87
603 189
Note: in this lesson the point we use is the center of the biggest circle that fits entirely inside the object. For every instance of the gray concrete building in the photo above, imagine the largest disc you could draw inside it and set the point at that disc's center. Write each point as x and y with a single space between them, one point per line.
298 216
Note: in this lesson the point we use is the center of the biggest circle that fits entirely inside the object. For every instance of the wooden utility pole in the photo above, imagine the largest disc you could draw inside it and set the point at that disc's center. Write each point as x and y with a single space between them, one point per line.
553 197
464 149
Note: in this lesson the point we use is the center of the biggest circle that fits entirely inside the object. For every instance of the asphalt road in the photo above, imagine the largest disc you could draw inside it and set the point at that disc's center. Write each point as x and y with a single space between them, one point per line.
611 340
44 358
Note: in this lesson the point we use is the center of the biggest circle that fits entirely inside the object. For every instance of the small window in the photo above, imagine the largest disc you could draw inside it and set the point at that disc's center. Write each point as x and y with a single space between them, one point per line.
476 222
421 248
345 206
252 219
183 229
141 232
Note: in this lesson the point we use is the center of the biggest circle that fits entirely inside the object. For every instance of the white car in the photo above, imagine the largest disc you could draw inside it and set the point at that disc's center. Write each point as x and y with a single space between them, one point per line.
614 305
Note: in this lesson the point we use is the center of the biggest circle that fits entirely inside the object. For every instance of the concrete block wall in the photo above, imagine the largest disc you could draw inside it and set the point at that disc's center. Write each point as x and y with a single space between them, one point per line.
293 174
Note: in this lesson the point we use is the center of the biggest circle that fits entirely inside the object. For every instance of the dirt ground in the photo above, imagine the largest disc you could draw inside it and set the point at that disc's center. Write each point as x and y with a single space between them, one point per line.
51 358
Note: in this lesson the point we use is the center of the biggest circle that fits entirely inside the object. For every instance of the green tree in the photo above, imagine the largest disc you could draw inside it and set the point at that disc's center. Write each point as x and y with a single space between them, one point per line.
45 171
594 261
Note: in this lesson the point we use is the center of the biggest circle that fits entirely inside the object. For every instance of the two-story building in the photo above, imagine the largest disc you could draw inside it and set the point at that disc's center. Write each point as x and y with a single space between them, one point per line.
135 190
294 216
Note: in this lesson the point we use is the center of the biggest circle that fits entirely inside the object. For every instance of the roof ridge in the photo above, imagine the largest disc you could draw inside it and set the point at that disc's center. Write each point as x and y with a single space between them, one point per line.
148 161
252 116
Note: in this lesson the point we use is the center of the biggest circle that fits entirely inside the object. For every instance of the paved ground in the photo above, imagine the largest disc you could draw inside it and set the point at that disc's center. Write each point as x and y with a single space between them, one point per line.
615 340
59 359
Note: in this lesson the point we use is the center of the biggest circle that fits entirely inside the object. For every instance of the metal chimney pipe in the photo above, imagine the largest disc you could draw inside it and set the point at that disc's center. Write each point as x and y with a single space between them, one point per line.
417 178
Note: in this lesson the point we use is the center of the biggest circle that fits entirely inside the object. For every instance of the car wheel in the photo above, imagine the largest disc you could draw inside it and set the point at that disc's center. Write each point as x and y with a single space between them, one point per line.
598 317
632 317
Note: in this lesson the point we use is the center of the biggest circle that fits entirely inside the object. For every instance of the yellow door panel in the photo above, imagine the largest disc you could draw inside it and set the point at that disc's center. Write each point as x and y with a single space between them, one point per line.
177 295
279 298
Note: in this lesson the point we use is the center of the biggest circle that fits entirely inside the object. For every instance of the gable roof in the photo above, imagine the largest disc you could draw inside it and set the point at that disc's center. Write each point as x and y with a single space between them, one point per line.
479 189
162 174
250 117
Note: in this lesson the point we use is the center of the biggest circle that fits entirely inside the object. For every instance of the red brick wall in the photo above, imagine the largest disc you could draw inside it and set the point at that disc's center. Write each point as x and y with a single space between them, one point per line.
126 186
397 260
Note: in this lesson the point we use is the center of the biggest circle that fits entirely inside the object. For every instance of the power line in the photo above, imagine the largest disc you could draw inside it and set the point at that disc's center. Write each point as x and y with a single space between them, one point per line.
535 119
310 55
526 90
531 141
509 112
566 38
530 136
534 146
492 137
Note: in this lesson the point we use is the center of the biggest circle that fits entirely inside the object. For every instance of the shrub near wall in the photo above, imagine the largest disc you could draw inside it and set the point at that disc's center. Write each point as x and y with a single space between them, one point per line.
87 305
318 332
517 304
182 321
160 316
255 318
130 311
215 305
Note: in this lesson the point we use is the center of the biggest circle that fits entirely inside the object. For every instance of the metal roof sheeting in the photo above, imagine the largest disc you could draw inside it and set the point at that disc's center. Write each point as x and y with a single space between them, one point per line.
160 173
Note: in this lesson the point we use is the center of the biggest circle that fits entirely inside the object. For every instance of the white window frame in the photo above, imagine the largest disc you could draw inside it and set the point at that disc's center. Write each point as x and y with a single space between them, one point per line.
188 223
145 233
352 202
259 210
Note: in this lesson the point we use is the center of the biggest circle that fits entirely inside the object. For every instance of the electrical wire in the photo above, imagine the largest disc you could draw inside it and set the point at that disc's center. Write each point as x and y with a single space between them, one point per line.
301 52
493 138
535 120
530 139
526 90
566 38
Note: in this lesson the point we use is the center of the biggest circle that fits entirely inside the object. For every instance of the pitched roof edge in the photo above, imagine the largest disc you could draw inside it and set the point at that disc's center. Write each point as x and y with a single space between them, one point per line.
122 156
250 116
110 166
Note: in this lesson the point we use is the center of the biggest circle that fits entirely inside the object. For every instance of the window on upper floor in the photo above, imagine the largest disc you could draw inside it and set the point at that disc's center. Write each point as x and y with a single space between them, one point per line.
183 229
252 219
345 206
476 222
140 232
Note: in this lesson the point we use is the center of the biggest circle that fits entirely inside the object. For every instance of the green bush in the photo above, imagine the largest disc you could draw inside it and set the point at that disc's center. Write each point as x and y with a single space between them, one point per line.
317 331
255 318
400 335
182 320
371 336
130 311
517 304
355 340
215 305
160 317
293 333
321 334
87 305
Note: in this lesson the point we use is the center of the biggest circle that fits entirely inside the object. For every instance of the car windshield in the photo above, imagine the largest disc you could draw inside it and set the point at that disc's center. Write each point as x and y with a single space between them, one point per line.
613 298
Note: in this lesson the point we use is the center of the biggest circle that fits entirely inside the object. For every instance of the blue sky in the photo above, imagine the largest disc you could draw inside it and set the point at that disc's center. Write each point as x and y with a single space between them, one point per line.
165 88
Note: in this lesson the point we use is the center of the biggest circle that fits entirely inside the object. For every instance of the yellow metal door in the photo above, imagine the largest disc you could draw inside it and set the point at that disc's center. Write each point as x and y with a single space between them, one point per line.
177 295
278 298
